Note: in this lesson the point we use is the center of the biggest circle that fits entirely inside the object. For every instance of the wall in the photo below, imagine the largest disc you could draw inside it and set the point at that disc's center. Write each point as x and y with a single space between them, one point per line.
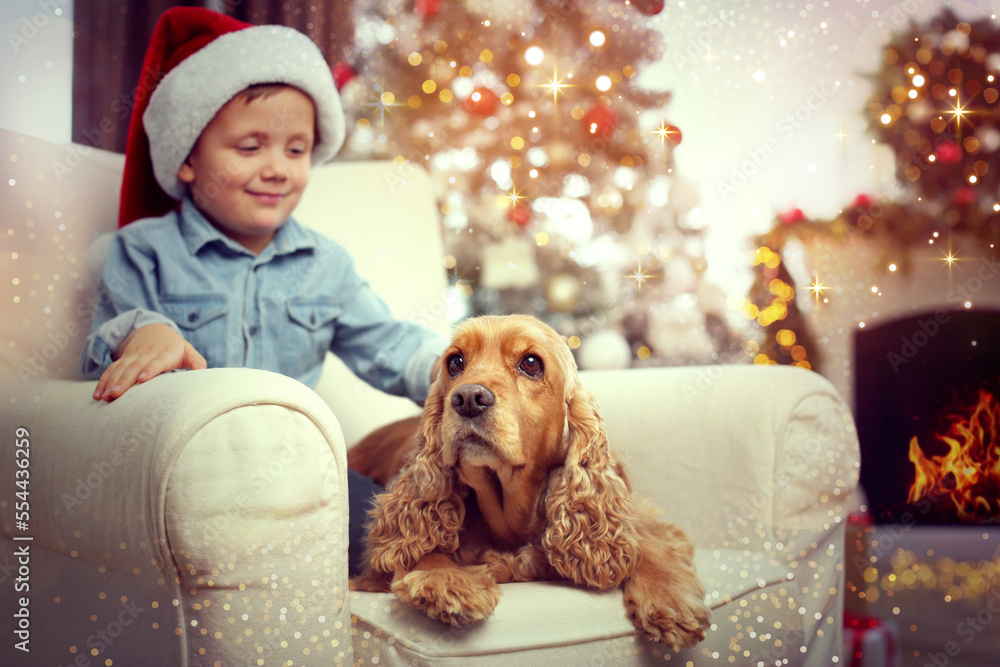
36 68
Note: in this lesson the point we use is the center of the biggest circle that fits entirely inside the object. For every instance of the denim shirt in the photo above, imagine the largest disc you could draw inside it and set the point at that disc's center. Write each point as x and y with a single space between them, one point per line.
280 311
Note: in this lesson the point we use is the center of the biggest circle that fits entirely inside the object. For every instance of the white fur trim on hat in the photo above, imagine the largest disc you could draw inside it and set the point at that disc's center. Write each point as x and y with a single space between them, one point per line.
189 95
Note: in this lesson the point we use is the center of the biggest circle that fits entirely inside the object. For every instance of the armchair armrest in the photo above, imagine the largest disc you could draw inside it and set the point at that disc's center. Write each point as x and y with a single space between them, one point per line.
227 487
714 445
759 465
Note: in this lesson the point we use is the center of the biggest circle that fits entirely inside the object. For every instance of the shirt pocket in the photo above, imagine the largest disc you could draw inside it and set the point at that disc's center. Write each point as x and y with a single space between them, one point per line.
312 323
202 321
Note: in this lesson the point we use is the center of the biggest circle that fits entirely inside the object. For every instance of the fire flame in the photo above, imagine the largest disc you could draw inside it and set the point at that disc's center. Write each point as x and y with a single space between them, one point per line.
969 474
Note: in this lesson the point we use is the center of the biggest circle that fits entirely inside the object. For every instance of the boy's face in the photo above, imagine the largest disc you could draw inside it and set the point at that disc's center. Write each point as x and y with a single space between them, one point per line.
251 163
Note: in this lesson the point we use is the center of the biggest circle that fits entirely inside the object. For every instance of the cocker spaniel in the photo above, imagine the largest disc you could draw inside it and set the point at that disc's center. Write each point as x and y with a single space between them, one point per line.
508 476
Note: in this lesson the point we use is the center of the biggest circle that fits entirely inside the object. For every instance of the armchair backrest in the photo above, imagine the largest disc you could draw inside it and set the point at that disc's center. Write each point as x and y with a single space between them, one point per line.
59 199
386 215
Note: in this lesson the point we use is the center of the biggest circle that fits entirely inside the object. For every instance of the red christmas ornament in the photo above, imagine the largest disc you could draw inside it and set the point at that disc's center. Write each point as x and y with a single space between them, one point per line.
949 153
964 196
649 7
481 102
519 215
862 201
342 73
428 9
673 134
601 121
792 217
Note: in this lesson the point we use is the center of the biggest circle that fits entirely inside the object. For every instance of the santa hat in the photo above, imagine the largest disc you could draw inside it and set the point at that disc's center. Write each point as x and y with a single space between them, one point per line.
197 61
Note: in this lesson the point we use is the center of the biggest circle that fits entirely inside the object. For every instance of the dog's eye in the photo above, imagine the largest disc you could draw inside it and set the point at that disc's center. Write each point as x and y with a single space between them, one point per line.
532 365
456 364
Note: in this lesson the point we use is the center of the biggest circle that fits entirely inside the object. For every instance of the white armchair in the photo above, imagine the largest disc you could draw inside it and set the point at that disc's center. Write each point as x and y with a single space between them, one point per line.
201 518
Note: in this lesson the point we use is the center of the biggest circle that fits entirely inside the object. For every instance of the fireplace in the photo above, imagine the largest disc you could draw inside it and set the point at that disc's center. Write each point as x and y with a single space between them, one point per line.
928 417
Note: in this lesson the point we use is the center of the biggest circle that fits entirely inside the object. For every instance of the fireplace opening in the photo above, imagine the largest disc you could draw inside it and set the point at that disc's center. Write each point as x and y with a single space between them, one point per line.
927 407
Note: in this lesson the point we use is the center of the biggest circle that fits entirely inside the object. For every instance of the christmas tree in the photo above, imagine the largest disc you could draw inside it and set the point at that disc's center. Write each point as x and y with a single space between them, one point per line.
773 302
554 167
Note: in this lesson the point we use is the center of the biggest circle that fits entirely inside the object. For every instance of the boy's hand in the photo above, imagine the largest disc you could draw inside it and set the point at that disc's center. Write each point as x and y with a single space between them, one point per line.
148 351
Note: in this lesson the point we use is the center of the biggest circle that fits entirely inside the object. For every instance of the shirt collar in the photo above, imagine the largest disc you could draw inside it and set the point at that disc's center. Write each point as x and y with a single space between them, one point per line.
198 232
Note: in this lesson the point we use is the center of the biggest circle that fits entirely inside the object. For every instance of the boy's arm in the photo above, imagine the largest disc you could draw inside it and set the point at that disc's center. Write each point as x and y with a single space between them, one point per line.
395 356
127 303
423 368
127 298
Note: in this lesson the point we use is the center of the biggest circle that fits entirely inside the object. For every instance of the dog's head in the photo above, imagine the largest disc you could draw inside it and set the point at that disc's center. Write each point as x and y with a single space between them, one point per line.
508 418
503 385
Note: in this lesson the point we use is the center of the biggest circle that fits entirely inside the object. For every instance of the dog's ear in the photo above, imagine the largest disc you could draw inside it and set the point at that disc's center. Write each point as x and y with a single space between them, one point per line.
420 510
590 538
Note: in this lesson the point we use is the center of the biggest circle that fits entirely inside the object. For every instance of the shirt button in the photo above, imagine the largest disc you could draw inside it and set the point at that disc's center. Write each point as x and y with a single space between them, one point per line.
192 316
253 331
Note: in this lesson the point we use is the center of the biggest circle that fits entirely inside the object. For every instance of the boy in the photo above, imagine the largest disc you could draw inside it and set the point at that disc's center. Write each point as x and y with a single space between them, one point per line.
229 278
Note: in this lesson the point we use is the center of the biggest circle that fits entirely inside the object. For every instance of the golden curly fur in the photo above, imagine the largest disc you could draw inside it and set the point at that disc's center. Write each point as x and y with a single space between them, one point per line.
508 476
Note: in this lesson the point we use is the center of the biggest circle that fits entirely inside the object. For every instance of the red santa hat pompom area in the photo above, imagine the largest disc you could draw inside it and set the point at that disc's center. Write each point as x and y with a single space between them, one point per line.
197 61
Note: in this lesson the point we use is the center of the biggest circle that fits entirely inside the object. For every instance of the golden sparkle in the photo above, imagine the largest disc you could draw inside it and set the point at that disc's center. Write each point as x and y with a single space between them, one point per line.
639 276
513 197
958 112
383 101
949 258
555 85
664 131
460 282
817 287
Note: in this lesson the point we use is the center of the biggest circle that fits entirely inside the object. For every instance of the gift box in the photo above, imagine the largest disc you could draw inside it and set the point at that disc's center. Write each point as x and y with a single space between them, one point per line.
871 642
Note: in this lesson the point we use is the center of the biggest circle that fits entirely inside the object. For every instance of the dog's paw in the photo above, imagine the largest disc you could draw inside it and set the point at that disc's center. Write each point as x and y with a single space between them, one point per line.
673 621
458 596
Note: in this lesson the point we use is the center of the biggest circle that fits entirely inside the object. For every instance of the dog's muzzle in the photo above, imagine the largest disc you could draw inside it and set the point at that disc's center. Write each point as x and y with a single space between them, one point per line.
472 400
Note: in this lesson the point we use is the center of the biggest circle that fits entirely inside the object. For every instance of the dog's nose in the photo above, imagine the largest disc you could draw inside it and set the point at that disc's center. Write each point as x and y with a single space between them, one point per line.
471 400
